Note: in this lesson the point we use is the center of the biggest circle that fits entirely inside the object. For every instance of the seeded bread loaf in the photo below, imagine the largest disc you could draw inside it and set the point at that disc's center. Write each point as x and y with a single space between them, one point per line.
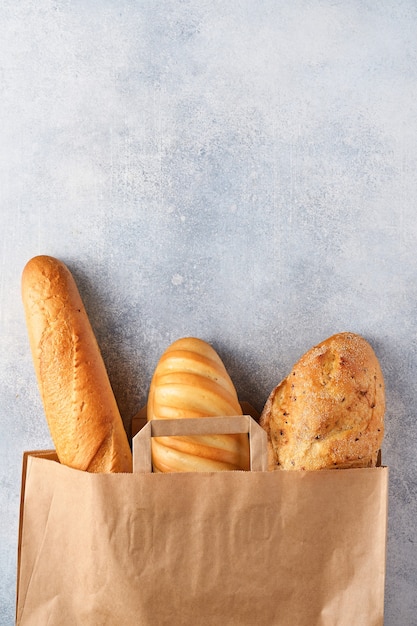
329 411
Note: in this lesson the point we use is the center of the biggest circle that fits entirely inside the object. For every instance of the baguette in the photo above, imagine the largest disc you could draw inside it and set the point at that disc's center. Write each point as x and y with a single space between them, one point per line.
329 411
79 404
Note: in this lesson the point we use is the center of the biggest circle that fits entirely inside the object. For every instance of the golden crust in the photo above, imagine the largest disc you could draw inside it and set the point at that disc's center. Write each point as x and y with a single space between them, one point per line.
80 408
329 411
190 380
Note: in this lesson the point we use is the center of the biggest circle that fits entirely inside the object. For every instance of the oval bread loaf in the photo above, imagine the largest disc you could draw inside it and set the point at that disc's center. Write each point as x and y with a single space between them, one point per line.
190 380
329 411
80 407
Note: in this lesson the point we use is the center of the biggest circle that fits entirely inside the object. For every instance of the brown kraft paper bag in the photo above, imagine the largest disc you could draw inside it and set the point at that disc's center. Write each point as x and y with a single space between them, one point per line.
285 548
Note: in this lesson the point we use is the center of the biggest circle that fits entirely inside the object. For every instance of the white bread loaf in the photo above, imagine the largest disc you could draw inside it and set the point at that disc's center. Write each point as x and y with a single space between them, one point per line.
190 380
80 407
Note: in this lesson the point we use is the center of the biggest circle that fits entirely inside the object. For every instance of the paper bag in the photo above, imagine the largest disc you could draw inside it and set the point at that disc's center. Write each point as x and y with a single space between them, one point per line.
239 424
238 548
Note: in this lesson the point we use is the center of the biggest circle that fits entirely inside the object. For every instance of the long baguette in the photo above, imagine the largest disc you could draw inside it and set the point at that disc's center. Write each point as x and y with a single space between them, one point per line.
79 404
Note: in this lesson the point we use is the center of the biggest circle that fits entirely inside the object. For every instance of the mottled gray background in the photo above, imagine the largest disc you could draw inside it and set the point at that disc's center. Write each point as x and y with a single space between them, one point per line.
243 171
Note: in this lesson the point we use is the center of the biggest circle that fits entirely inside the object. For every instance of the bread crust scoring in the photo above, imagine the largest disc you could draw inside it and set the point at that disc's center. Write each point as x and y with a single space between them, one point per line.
190 380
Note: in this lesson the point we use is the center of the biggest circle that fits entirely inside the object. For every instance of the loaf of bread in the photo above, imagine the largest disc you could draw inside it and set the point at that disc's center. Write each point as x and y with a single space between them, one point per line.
80 407
190 380
329 411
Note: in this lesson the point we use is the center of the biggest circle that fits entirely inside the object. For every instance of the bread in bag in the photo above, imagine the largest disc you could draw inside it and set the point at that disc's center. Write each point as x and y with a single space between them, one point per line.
80 407
329 411
190 380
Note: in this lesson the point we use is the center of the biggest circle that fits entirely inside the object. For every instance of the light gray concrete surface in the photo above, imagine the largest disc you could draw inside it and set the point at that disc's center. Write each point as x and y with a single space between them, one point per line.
240 171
